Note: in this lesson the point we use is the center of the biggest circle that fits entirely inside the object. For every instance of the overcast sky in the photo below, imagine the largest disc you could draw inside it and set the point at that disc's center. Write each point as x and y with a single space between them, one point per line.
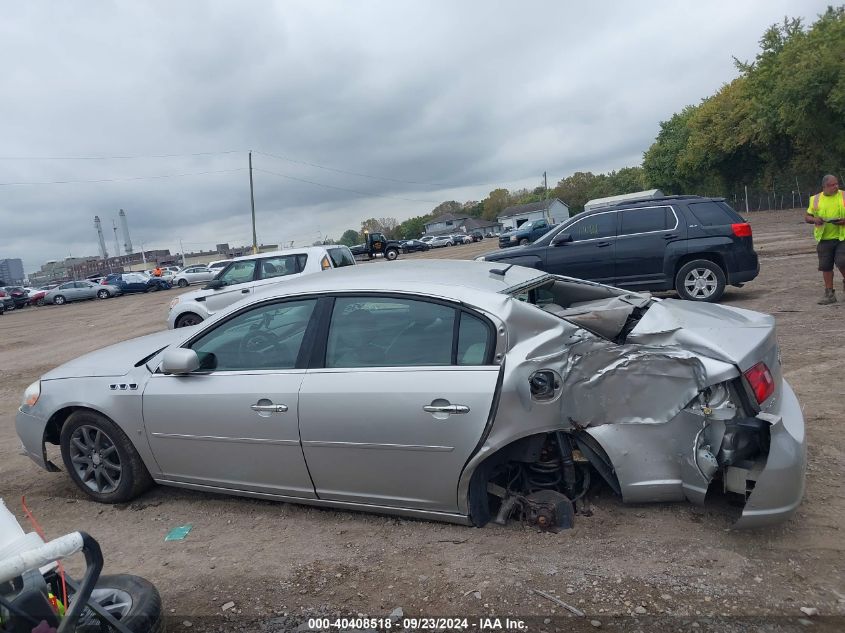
369 109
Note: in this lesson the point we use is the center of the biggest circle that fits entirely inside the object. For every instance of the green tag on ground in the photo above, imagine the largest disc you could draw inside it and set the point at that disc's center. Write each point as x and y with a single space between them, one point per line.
178 533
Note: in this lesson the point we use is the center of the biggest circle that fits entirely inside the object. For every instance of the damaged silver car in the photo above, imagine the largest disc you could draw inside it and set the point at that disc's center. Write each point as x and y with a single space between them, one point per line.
452 390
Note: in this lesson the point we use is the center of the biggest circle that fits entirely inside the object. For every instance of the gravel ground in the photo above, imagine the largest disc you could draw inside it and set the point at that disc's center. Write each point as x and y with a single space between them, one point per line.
668 567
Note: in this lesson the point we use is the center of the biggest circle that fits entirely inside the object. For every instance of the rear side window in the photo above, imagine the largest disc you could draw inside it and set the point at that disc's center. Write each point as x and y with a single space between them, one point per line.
277 266
341 257
647 220
473 337
714 213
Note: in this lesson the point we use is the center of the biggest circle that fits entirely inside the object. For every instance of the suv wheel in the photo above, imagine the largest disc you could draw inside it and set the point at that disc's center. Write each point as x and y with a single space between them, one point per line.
700 280
523 241
182 283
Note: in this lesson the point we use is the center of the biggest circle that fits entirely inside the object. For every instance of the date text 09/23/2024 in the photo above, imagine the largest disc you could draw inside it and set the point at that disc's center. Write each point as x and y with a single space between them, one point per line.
419 623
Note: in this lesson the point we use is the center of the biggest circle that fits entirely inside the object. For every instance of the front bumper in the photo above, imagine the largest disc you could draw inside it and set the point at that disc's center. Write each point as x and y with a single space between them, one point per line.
780 487
30 430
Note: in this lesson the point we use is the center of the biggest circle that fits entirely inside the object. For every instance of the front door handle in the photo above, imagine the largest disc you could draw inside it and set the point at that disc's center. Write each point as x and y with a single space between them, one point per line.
603 244
670 236
446 408
244 291
269 408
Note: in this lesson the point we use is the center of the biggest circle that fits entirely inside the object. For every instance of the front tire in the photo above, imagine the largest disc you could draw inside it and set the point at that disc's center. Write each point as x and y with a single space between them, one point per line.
391 254
182 283
103 294
188 319
700 280
523 242
101 459
58 300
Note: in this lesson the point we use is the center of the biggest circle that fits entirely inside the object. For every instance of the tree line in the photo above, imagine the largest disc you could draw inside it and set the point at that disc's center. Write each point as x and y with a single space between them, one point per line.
774 131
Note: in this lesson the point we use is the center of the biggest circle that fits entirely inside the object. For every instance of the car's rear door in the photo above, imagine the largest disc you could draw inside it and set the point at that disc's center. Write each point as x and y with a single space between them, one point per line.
272 270
233 423
392 410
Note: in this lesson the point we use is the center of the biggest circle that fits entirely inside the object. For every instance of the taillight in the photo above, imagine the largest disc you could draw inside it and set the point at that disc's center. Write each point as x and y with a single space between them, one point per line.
741 230
761 381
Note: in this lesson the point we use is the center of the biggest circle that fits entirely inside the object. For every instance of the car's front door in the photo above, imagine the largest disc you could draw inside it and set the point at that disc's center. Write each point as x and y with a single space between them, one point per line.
393 411
238 280
233 423
85 290
590 255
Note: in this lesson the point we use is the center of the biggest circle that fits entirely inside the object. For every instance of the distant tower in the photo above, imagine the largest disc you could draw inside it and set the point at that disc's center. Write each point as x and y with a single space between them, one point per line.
127 241
116 243
103 252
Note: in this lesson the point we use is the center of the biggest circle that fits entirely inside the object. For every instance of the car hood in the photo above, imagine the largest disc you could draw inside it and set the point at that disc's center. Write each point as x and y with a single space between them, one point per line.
115 360
728 334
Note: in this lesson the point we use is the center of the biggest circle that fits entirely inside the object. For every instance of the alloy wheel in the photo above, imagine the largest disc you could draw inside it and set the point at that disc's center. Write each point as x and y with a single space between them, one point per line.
701 283
95 459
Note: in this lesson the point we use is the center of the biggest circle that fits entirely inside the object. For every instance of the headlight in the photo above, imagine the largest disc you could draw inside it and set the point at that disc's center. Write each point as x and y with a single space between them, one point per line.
513 238
174 302
32 393
480 258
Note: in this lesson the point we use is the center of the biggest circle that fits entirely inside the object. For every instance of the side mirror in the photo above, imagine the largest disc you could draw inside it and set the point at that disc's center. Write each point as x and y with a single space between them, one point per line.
561 238
179 361
214 284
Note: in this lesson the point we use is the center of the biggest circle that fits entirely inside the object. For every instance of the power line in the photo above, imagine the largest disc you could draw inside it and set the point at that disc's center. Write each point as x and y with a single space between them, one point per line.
100 180
231 151
355 191
385 178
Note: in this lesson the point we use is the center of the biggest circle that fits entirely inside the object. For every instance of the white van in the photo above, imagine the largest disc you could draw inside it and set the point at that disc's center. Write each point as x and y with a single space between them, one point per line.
245 275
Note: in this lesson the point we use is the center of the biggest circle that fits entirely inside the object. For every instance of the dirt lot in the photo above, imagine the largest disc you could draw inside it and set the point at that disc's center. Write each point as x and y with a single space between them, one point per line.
657 567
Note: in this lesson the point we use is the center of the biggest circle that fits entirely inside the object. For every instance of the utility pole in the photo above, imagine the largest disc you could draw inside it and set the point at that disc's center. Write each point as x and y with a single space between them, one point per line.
116 243
798 187
746 198
545 187
252 203
182 250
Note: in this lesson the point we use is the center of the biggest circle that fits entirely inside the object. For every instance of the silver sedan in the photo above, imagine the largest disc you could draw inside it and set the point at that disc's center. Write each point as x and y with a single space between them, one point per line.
451 390
80 290
194 275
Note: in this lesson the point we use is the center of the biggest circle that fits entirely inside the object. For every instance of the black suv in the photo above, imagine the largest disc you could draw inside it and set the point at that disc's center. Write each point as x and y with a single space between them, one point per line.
691 244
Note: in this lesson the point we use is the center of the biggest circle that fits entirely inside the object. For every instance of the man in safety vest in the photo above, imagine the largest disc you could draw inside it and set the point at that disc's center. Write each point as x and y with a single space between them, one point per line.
157 271
827 213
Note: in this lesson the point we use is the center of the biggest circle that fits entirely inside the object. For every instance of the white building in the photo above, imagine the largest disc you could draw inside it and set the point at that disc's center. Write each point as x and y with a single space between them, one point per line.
554 211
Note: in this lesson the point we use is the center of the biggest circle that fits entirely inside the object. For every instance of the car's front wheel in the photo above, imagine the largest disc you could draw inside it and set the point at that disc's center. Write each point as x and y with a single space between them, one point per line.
700 280
391 254
101 459
523 242
103 294
182 283
58 300
188 319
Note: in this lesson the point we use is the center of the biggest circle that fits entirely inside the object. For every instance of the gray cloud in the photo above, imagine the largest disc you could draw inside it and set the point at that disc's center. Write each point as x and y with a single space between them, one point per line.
471 95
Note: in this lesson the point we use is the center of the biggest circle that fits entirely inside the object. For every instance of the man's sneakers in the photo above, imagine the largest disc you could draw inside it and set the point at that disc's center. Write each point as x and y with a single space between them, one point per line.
829 297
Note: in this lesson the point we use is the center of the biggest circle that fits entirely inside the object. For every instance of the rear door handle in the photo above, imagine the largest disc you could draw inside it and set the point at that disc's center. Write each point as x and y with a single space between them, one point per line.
244 291
269 408
446 408
670 236
603 244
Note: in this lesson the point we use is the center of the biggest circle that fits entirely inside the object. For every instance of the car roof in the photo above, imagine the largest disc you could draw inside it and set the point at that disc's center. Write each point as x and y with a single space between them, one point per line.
306 250
450 279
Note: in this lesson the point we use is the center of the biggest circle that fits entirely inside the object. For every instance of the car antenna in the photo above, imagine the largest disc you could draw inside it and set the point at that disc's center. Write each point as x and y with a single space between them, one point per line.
501 271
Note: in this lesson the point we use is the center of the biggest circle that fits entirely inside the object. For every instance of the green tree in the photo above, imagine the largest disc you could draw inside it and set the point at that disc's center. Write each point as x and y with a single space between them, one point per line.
496 202
349 238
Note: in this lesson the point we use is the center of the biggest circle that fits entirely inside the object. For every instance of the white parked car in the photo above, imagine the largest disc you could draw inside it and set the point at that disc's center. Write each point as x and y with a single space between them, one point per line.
441 240
219 265
194 275
246 275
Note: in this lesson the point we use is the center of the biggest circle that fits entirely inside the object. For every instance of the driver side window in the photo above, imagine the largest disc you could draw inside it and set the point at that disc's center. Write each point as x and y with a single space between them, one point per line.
238 273
266 337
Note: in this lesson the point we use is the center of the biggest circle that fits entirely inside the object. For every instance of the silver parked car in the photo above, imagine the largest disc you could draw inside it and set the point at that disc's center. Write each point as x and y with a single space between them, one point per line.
452 390
79 290
194 275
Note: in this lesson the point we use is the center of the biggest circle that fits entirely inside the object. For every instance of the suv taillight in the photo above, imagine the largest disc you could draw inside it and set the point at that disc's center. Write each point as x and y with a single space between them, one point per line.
741 230
761 381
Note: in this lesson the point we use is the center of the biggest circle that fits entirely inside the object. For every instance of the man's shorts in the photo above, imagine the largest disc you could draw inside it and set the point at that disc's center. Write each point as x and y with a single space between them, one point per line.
831 252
